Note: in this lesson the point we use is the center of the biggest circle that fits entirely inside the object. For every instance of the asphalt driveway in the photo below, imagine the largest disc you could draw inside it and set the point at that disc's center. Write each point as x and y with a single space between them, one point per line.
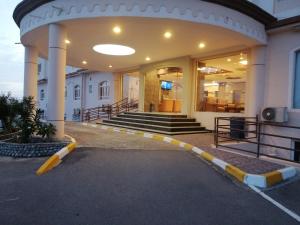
132 187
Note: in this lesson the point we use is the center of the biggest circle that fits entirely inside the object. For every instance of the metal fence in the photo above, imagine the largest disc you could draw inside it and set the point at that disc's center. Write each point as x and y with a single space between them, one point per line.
262 138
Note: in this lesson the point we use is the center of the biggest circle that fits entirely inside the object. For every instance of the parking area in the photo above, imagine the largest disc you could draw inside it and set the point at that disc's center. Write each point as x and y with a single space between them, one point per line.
129 180
104 186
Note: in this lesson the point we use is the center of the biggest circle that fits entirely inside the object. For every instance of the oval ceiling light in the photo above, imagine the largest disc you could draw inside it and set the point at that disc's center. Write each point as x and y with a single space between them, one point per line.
111 49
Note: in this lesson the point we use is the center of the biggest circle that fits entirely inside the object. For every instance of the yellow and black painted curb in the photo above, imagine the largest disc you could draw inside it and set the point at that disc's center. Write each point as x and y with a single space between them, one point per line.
258 180
56 159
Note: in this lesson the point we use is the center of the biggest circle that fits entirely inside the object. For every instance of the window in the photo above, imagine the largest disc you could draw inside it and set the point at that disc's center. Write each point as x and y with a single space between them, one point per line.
77 92
296 99
42 95
221 84
104 90
90 89
39 68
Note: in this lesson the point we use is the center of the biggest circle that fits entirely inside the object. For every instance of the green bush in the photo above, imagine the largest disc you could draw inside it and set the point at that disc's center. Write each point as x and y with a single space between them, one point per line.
25 117
9 110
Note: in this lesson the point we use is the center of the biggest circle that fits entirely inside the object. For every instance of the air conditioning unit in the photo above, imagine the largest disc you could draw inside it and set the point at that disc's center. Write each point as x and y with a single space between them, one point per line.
275 114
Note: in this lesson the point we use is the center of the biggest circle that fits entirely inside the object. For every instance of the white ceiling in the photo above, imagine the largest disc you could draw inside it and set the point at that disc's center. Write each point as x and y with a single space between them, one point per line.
145 35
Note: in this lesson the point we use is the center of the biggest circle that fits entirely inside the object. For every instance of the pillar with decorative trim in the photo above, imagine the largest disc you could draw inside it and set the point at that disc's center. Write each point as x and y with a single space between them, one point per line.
56 77
256 81
30 72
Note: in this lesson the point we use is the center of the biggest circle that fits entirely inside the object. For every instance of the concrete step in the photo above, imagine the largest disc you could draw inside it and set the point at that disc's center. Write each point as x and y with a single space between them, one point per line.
155 127
155 131
168 115
155 122
156 118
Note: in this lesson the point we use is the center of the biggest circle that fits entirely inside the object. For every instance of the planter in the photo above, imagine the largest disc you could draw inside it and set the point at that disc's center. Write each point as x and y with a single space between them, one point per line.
30 150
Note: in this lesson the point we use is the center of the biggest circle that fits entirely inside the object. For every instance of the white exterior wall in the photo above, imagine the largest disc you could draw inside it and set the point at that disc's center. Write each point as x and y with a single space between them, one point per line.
94 79
42 103
279 88
70 102
87 100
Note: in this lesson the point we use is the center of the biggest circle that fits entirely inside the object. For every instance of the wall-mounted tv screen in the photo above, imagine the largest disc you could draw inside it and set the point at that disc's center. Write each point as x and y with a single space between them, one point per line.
166 85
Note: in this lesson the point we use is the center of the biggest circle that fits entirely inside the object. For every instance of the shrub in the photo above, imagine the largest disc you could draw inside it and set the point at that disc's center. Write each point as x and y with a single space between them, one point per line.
30 123
27 119
9 110
46 130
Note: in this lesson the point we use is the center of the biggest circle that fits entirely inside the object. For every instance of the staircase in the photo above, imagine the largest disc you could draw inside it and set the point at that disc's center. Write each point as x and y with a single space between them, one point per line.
169 124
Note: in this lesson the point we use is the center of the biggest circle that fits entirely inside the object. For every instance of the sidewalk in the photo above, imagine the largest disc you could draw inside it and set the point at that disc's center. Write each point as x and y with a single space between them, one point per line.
246 163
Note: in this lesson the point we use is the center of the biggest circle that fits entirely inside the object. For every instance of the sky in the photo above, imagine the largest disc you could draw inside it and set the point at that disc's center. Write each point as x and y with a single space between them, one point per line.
11 55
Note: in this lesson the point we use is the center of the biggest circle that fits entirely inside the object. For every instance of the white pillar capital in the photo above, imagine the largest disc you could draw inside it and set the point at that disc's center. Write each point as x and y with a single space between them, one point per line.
56 77
30 71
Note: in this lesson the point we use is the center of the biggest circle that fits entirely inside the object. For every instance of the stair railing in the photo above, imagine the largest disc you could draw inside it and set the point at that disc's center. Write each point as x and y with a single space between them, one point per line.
109 111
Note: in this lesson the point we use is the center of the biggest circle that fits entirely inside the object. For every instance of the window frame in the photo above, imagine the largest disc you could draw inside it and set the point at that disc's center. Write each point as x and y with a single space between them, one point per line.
104 90
211 57
42 94
293 68
77 95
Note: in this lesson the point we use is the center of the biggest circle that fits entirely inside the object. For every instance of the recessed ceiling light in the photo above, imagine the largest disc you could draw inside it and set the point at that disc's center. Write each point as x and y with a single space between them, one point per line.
229 60
67 41
201 45
112 49
110 66
84 62
117 30
148 58
168 34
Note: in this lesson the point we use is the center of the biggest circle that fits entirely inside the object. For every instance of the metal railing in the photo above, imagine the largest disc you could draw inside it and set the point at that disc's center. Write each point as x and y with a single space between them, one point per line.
108 111
248 134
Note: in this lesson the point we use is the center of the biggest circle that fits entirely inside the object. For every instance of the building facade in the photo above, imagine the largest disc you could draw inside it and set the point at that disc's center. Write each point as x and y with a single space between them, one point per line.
202 58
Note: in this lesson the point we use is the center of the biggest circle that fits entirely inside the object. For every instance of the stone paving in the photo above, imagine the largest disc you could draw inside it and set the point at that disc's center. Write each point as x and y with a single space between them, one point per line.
248 164
96 137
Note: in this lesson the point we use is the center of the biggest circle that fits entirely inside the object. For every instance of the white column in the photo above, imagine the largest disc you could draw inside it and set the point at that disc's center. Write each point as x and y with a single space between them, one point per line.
142 92
56 77
30 72
256 81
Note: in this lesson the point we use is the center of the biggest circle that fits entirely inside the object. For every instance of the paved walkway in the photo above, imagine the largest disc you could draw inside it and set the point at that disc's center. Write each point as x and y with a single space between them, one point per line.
133 187
96 137
246 163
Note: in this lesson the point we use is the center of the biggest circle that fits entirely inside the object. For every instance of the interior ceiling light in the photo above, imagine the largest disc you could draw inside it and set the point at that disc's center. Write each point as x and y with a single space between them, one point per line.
244 62
112 49
168 34
84 62
67 41
209 69
110 66
148 58
229 60
201 45
117 30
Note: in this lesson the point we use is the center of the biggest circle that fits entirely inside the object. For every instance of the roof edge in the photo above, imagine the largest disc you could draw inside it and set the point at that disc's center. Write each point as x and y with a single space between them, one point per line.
243 6
25 7
247 8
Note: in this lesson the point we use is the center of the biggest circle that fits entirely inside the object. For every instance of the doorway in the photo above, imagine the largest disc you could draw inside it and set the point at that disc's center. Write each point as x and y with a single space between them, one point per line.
131 84
164 90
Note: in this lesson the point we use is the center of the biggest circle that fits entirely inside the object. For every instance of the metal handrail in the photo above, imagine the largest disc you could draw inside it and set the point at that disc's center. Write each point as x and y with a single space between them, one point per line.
109 110
226 132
